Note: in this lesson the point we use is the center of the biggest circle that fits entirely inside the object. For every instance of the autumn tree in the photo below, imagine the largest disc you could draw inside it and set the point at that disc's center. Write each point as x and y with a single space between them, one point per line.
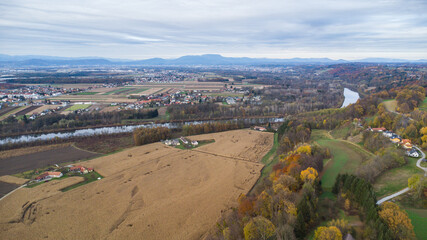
309 175
417 183
259 228
409 98
397 220
341 224
327 233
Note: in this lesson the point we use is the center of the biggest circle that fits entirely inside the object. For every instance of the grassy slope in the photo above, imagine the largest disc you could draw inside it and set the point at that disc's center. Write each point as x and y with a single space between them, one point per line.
395 179
346 156
269 159
390 105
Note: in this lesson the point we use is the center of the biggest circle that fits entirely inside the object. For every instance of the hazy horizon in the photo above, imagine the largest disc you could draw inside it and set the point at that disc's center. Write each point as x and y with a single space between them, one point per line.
130 29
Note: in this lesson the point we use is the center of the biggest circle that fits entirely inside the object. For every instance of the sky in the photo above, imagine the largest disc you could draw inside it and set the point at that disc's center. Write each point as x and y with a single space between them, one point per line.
141 29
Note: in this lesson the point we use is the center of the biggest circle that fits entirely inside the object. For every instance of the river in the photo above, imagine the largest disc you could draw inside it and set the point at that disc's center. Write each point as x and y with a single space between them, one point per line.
122 129
350 97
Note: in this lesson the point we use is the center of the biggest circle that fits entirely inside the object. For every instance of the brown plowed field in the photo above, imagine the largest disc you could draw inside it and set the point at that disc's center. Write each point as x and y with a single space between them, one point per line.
5 188
26 110
149 192
18 164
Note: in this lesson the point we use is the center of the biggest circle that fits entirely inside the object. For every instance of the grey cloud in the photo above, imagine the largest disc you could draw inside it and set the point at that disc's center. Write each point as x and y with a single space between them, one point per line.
166 28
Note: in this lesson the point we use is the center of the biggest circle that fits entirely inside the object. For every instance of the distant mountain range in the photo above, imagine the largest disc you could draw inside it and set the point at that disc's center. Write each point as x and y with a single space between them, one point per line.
190 60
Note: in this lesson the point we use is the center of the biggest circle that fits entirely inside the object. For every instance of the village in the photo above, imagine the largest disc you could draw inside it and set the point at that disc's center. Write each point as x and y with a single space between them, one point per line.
396 139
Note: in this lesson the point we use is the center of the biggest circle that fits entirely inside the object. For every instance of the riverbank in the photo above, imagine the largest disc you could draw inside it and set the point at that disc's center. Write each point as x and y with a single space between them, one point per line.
129 128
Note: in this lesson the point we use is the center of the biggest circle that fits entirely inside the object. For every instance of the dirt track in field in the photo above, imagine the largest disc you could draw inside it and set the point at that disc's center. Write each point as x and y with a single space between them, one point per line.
149 192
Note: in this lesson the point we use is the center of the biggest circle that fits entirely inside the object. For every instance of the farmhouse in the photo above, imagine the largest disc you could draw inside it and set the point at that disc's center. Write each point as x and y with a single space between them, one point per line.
194 143
262 129
184 140
381 129
412 153
48 175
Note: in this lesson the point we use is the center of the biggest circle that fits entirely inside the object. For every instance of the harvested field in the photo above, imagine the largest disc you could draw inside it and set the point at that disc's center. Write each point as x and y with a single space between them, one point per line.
95 98
29 150
42 108
27 162
13 179
149 91
26 110
149 192
261 144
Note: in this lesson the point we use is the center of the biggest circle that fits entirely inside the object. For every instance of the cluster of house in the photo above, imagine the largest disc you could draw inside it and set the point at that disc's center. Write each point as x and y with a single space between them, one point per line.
80 169
70 168
21 94
405 143
178 141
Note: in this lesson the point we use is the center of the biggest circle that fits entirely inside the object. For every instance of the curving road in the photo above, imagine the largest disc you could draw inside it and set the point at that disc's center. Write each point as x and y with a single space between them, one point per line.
423 155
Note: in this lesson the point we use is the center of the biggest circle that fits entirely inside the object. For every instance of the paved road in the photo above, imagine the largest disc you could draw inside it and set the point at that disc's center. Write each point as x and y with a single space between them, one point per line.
423 155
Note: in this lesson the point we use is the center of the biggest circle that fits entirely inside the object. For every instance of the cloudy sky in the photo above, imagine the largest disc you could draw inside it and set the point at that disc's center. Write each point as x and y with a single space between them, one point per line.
139 29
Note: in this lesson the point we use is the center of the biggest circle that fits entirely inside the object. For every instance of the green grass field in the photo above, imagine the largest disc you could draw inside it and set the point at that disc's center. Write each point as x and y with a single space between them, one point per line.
88 178
86 93
77 107
419 220
395 179
423 105
346 157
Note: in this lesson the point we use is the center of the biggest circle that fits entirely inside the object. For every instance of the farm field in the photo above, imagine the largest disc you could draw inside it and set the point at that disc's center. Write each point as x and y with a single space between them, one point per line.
42 108
86 93
5 110
78 107
26 110
18 164
346 156
95 98
29 150
12 112
5 188
149 192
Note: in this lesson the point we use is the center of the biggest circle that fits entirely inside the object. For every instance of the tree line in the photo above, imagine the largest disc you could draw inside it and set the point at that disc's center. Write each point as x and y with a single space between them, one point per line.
72 120
384 222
